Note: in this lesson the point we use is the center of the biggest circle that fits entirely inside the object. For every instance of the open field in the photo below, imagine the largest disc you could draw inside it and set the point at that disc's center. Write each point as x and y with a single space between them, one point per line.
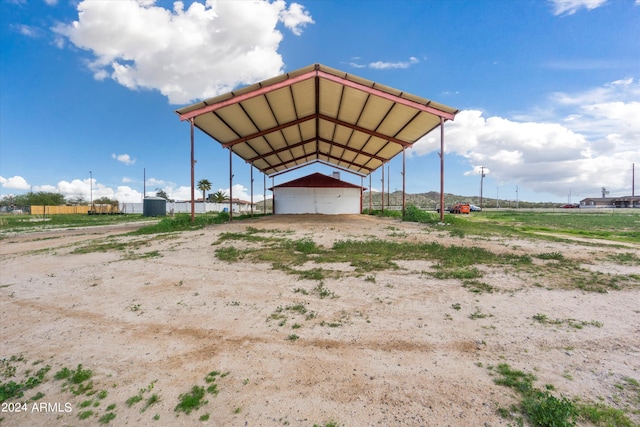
494 320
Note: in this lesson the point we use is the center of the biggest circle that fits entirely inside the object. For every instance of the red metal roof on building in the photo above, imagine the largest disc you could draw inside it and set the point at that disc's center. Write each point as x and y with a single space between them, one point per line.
316 180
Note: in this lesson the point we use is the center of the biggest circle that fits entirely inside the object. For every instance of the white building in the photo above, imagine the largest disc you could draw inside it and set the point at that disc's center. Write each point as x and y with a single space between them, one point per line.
317 194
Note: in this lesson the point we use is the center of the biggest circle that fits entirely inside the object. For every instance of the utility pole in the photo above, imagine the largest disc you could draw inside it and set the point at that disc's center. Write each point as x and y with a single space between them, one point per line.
481 183
517 197
388 185
382 198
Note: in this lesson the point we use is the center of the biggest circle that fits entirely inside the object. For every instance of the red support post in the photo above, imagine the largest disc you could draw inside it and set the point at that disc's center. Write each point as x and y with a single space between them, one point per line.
441 169
193 163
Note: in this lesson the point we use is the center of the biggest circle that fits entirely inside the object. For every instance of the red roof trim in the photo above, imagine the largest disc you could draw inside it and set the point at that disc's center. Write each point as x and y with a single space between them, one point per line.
317 180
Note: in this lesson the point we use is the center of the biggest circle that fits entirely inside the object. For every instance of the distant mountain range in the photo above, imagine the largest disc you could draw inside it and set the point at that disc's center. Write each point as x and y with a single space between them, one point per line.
431 200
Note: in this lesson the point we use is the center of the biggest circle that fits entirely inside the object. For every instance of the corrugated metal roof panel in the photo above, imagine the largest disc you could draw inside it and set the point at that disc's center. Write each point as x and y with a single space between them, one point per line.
317 114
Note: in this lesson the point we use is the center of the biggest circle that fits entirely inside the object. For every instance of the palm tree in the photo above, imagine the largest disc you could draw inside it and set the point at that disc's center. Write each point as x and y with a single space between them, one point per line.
219 197
204 185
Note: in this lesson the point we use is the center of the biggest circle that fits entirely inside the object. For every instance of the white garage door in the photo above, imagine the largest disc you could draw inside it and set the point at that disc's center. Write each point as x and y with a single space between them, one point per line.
332 201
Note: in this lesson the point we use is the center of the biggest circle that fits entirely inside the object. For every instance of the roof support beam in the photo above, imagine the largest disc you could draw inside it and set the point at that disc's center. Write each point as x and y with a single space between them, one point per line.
280 150
268 131
363 130
339 159
295 160
345 147
317 161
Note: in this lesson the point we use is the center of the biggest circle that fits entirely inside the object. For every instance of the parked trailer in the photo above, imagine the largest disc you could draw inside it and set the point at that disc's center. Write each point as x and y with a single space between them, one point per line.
104 209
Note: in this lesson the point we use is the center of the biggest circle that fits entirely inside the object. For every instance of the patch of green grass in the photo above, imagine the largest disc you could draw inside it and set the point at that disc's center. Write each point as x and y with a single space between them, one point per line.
104 245
306 246
628 258
292 337
323 292
146 255
83 415
152 400
544 409
313 274
297 308
478 315
133 400
26 222
617 226
182 222
230 254
550 255
414 214
327 424
39 395
191 401
477 287
540 407
12 389
75 380
518 380
457 273
107 418
602 415
544 319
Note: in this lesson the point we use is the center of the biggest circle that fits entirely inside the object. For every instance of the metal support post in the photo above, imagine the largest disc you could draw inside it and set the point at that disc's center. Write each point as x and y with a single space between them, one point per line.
441 169
193 164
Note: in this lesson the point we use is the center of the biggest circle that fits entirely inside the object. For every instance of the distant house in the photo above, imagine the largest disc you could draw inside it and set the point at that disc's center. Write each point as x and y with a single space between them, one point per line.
611 202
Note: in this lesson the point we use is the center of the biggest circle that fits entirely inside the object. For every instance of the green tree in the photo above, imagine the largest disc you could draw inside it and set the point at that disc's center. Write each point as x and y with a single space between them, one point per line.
105 201
41 198
161 193
204 185
219 196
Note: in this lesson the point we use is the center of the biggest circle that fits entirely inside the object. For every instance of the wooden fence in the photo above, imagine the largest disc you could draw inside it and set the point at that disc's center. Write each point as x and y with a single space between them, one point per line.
59 210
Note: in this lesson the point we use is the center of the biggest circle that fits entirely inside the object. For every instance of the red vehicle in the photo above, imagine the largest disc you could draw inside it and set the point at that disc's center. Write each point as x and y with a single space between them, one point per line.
570 206
460 208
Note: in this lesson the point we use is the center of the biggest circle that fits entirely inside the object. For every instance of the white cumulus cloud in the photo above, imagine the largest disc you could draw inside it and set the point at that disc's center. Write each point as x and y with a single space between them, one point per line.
124 158
569 7
591 142
14 183
382 65
207 49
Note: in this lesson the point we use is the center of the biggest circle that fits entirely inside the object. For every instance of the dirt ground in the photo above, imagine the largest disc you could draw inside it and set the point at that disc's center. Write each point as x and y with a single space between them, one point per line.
389 348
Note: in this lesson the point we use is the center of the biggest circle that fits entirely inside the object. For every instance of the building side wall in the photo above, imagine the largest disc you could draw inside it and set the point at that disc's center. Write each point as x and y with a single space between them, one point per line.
329 201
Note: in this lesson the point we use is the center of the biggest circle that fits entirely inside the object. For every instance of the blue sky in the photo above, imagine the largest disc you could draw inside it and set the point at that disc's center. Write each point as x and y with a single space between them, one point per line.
548 91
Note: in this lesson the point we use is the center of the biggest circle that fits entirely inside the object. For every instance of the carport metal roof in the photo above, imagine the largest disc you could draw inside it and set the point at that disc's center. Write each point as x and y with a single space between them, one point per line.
317 114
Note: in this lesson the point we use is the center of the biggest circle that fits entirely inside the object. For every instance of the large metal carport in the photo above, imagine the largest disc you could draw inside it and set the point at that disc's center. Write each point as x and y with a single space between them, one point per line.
317 115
